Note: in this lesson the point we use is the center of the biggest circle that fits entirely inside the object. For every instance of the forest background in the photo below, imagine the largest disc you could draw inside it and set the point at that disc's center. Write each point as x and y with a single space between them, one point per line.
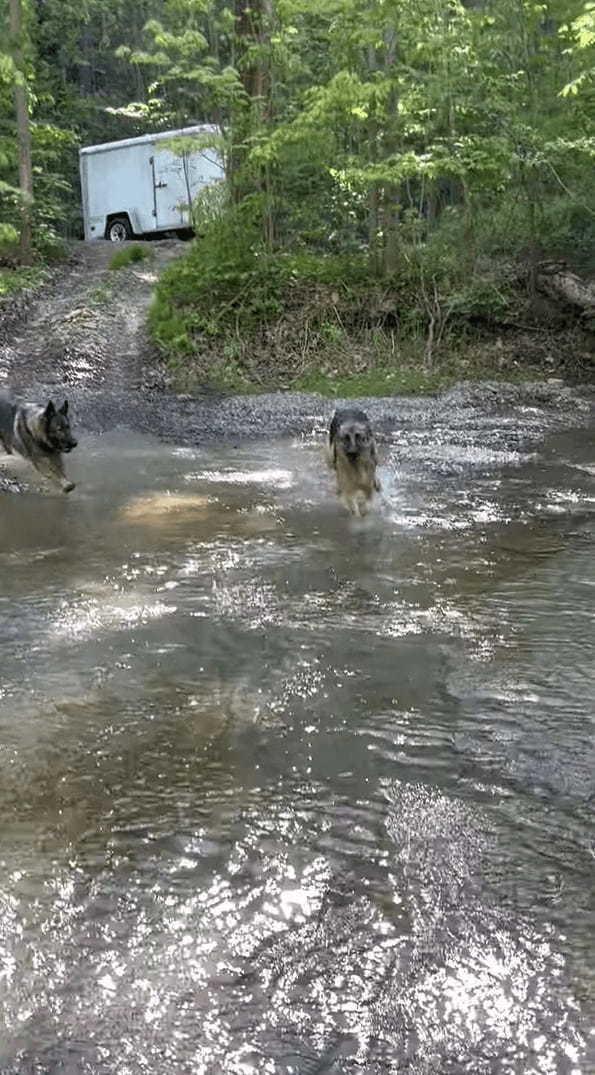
410 186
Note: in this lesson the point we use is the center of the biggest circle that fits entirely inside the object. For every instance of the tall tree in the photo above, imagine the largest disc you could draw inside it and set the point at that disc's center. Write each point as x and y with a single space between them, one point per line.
23 128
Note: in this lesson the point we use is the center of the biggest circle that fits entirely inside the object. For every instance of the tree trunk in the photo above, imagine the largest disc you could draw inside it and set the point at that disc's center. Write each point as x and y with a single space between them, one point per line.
373 228
253 22
391 209
85 64
370 150
248 27
23 130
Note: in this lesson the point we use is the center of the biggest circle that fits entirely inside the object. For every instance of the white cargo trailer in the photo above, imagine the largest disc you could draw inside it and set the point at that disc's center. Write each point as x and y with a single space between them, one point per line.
140 187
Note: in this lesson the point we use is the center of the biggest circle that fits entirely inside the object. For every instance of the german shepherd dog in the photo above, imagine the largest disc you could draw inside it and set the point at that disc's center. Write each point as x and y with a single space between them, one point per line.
352 455
41 435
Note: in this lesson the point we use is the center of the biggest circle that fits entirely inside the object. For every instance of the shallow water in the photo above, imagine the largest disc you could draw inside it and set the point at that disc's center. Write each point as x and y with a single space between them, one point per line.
283 792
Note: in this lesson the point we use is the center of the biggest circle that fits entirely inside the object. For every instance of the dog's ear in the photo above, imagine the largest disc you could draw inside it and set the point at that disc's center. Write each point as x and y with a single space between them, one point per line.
49 411
64 408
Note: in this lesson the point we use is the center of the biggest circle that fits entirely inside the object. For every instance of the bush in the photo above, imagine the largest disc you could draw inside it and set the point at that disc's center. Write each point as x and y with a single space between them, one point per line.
19 279
237 313
242 313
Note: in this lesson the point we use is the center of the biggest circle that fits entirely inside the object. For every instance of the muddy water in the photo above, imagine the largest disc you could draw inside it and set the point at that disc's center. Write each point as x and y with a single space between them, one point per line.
285 793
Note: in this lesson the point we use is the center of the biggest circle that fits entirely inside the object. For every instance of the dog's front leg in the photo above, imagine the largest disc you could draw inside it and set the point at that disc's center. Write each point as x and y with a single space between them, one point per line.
52 468
354 505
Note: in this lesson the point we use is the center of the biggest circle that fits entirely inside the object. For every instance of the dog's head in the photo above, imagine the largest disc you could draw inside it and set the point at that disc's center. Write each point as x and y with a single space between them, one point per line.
355 438
57 428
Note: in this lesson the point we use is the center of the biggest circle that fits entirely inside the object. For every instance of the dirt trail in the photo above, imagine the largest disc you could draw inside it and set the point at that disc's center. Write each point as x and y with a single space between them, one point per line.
87 329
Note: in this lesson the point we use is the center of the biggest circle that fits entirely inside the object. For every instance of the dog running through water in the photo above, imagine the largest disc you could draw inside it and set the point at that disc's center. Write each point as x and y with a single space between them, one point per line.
41 435
352 455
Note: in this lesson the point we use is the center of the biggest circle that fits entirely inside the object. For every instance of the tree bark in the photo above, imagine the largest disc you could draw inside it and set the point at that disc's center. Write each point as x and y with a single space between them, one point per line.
247 24
253 20
23 129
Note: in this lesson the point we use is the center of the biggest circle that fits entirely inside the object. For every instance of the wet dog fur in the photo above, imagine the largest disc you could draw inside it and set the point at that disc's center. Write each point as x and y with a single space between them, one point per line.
352 455
42 435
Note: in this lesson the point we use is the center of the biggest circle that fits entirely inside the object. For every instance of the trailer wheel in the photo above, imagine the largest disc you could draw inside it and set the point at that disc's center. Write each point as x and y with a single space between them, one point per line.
118 230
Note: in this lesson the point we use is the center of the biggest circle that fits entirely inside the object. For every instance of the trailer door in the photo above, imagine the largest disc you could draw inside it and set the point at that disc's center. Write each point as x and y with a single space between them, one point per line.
171 193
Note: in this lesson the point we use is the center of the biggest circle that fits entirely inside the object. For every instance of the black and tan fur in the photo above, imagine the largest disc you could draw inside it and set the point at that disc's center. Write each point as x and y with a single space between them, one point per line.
352 455
41 435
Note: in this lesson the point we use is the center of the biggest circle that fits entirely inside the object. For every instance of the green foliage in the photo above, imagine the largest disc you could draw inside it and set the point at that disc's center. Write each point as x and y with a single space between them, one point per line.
397 165
12 281
51 143
130 255
186 50
230 289
580 34
396 168
8 238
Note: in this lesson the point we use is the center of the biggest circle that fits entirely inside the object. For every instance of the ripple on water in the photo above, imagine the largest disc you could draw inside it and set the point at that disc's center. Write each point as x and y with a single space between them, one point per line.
453 458
80 620
285 954
329 810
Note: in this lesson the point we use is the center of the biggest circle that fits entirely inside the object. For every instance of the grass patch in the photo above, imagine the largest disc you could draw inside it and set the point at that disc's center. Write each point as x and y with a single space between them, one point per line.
101 295
129 256
376 382
14 280
407 381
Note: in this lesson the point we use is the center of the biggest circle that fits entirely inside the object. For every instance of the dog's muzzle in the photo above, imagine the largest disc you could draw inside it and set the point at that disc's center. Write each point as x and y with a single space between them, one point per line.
70 446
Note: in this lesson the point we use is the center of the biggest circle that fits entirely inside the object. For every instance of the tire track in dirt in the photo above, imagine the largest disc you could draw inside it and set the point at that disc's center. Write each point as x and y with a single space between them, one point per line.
87 329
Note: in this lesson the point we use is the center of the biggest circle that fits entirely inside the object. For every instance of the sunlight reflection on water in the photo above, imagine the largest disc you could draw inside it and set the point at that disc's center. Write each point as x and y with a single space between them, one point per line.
282 793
